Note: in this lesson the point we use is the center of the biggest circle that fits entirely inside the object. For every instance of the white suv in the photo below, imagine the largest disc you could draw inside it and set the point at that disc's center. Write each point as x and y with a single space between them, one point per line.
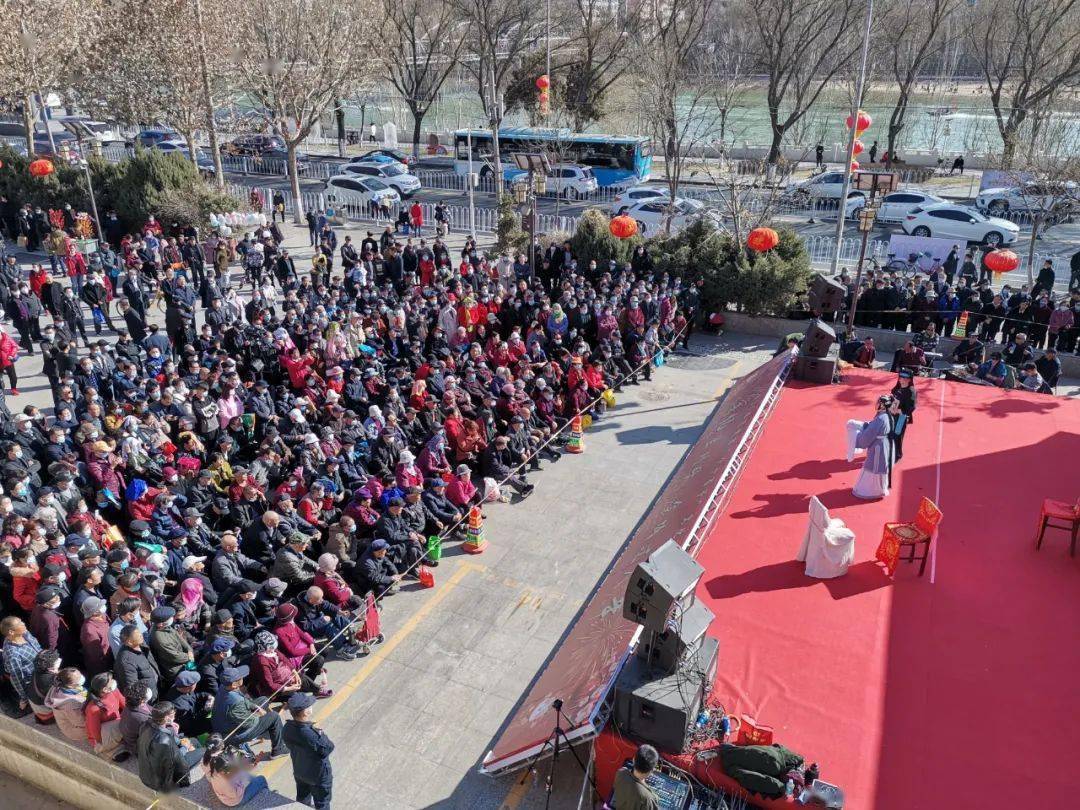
393 174
356 192
827 185
571 181
1059 198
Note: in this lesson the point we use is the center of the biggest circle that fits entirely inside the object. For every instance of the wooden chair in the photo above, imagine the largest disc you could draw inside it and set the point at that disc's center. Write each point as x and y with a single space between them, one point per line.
1067 514
910 542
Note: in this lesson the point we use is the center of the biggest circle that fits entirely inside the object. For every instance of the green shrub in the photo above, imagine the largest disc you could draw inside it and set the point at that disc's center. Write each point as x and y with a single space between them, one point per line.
593 241
151 182
734 275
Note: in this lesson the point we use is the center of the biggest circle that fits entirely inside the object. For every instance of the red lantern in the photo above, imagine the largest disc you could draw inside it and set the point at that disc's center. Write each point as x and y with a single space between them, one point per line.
858 150
41 168
854 165
762 239
623 227
862 122
1002 261
543 83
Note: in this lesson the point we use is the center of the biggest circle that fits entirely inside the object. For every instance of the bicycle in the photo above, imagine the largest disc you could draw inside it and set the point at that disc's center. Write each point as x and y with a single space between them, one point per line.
916 263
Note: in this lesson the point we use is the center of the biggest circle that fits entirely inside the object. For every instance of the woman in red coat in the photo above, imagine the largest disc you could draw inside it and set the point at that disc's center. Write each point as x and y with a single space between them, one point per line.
273 674
296 645
9 353
333 586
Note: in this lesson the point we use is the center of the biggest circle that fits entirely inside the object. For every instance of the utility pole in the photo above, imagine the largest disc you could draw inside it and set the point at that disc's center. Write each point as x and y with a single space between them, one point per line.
850 152
470 181
495 118
208 101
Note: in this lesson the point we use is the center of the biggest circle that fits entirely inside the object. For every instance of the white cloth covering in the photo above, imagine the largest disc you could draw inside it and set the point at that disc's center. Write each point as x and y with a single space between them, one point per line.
828 546
853 428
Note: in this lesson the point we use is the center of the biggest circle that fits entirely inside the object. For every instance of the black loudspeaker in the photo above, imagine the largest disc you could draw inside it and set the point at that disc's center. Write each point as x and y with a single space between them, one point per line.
826 294
664 650
819 339
658 584
815 369
662 711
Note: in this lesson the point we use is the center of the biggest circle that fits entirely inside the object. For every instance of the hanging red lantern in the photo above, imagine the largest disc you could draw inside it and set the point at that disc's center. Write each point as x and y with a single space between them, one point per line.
41 168
859 148
623 227
762 239
1002 261
543 82
862 122
854 165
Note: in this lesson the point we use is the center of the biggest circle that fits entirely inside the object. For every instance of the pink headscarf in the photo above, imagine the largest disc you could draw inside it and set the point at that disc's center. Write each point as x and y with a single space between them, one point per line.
191 594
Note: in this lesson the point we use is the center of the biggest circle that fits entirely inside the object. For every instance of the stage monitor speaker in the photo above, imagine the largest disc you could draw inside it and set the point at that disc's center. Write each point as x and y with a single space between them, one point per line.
826 294
658 584
819 339
664 650
661 711
815 370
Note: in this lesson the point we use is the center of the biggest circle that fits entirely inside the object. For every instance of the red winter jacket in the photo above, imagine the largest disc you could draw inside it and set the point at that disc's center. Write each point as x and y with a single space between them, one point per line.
334 588
271 672
293 642
9 350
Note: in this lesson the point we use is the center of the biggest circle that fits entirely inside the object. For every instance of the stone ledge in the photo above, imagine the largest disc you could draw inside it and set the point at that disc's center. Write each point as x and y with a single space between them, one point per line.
75 775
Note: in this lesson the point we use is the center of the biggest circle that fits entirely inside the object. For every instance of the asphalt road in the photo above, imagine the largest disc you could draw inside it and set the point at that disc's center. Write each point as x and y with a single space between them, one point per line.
1061 240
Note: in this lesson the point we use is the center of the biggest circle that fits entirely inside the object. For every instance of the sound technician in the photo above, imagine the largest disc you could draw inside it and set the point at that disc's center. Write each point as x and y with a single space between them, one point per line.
631 792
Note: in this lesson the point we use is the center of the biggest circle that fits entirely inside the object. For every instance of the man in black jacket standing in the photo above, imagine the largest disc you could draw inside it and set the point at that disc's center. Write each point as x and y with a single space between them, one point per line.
309 749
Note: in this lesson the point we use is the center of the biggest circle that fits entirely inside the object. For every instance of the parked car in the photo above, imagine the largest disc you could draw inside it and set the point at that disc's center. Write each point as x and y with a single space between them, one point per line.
357 193
650 214
826 185
1061 198
393 154
896 206
378 159
637 194
148 138
570 181
202 160
100 131
951 221
254 145
392 174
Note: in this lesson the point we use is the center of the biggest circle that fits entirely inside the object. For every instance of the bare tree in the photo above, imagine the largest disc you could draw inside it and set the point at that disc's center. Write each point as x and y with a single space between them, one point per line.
595 54
426 38
801 46
1047 188
1027 51
499 32
680 114
728 66
140 72
912 34
296 57
42 47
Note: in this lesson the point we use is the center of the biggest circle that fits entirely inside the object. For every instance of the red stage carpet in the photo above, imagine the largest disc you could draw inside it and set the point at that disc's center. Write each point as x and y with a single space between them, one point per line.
957 690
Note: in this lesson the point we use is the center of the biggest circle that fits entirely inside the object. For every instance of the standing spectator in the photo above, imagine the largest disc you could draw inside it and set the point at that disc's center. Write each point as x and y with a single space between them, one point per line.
310 750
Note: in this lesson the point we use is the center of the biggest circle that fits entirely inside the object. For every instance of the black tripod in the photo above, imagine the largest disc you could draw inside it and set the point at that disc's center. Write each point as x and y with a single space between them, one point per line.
557 741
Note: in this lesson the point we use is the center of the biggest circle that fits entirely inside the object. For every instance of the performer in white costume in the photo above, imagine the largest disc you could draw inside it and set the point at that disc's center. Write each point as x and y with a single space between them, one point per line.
875 439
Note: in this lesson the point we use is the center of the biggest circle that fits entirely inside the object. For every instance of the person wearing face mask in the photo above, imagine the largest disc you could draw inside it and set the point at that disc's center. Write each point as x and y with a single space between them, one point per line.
94 636
48 624
105 703
170 648
67 700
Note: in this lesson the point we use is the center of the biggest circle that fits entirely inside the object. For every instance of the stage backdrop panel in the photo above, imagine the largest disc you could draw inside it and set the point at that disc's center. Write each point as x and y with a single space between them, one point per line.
583 668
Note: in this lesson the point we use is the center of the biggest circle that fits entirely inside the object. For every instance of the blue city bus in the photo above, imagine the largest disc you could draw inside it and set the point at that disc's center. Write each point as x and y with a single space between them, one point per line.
615 160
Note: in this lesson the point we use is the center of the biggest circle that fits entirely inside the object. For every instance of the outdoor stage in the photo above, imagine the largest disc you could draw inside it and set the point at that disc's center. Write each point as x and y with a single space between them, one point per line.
954 690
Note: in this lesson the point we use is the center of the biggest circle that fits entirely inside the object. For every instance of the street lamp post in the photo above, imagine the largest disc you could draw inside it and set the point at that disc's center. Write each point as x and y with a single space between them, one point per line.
536 164
850 153
872 182
76 129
